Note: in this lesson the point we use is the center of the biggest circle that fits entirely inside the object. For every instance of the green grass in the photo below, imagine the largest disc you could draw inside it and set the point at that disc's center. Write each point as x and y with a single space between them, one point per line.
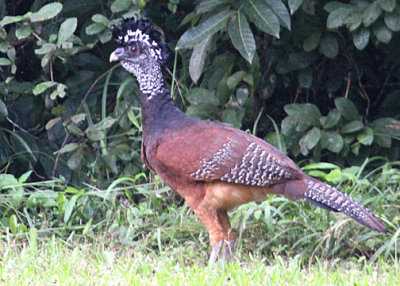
133 233
56 262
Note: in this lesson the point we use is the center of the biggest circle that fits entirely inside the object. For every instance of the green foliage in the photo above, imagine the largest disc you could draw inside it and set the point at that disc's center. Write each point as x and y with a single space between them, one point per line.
313 63
148 217
341 131
85 124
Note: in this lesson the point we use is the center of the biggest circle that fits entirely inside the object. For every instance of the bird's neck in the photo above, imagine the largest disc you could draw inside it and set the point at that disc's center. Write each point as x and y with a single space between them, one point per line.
149 77
159 113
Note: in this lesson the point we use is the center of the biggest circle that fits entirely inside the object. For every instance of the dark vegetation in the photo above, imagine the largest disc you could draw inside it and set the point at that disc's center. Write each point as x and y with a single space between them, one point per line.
318 79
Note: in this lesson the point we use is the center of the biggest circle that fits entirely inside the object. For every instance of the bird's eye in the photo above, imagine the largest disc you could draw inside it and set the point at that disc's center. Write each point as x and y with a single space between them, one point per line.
133 49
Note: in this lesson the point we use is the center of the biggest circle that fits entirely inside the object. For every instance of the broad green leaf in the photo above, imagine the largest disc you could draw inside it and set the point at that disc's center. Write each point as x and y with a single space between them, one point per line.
347 108
382 33
98 18
23 32
198 96
361 38
46 49
312 41
233 116
75 160
76 131
105 36
332 141
262 17
242 37
45 60
11 19
387 125
334 5
309 140
305 78
47 12
392 20
281 11
294 5
95 28
295 62
352 127
235 79
110 163
209 5
197 34
331 119
371 14
288 125
306 113
50 124
11 54
387 5
120 5
69 148
104 124
3 34
383 140
41 87
366 137
3 110
355 148
24 177
329 45
338 18
197 59
5 62
67 29
355 21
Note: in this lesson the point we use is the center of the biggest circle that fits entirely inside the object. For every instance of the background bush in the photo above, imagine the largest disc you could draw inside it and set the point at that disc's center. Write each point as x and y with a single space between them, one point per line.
318 79
327 72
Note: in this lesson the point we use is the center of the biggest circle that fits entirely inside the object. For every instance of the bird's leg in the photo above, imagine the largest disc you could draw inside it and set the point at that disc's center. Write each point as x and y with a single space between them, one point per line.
229 235
215 252
228 249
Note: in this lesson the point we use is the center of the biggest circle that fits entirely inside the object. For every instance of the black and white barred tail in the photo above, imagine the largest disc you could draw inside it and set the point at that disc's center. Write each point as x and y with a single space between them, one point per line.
331 199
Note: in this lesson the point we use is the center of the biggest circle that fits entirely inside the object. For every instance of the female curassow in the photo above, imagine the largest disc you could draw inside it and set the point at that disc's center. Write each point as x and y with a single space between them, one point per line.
212 166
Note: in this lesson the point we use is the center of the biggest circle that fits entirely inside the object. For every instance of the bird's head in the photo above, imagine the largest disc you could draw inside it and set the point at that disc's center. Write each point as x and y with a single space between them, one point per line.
141 52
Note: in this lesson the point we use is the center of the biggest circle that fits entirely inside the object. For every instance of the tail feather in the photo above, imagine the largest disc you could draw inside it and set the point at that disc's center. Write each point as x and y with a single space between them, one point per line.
331 199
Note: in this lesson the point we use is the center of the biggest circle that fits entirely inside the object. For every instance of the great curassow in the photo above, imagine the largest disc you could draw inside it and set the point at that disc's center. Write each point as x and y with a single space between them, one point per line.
214 167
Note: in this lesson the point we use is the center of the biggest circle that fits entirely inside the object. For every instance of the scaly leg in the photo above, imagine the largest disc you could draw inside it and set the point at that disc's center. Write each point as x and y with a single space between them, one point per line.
215 252
228 249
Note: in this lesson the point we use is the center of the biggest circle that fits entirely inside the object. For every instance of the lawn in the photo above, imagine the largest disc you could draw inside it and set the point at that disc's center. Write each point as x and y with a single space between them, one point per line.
56 262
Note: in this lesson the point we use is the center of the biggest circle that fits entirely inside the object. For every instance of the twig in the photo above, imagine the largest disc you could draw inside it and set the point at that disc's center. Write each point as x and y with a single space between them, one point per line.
346 95
51 70
17 126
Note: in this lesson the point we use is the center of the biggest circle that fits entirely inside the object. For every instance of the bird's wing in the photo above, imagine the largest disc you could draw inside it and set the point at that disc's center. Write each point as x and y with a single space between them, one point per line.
212 151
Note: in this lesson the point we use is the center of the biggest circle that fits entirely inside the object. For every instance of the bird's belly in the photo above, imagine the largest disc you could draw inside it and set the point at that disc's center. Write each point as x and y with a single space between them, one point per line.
222 195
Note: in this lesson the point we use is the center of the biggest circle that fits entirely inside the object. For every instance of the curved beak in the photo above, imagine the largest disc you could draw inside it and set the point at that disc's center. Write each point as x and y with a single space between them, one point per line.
116 55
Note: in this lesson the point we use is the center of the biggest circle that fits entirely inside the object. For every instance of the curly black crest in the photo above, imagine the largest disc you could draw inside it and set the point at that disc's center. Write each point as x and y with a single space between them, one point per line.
132 30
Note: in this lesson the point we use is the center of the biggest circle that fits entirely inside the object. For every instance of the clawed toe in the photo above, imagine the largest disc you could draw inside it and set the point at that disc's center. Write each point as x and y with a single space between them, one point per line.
216 250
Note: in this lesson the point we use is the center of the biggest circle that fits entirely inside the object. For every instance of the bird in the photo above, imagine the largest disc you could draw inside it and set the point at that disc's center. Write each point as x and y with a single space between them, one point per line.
213 166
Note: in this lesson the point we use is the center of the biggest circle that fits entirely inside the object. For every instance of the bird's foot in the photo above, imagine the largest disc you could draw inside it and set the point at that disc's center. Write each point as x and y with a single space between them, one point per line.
216 250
